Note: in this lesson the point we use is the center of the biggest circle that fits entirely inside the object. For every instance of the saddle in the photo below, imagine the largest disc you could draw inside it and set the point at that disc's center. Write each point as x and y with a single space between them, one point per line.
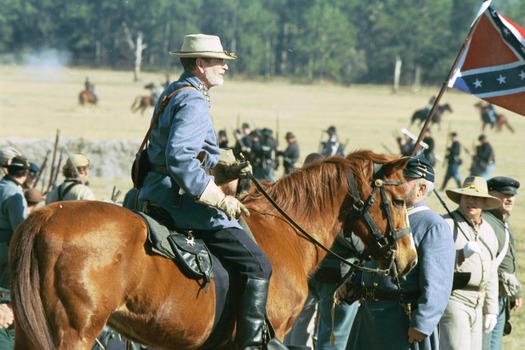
189 253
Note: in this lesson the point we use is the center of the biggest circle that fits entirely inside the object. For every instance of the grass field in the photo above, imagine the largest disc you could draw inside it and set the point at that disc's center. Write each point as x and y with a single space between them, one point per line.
36 101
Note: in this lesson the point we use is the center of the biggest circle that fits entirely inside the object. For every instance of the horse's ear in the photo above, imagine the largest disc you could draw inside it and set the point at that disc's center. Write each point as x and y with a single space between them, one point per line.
395 165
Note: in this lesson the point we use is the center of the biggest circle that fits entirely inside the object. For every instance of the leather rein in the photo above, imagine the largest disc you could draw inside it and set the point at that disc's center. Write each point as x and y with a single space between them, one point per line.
360 211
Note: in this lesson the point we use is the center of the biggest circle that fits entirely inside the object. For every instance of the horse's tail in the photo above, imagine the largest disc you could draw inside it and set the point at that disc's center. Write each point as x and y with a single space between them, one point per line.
30 320
135 103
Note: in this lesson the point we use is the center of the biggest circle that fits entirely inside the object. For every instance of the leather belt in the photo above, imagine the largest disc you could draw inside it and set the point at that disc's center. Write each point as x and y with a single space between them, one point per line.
474 288
160 169
376 294
164 171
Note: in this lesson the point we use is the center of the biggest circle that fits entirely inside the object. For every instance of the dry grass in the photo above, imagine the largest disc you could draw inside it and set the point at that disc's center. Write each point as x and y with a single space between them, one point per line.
34 102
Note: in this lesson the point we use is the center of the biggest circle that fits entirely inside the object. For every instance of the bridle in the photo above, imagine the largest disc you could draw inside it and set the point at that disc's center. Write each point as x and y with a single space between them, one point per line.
361 211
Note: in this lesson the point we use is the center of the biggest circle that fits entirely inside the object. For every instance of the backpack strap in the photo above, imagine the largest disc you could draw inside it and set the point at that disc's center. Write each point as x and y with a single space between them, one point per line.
63 190
163 104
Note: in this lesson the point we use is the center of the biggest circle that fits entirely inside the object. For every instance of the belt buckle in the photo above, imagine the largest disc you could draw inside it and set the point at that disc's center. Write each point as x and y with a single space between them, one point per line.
482 287
370 293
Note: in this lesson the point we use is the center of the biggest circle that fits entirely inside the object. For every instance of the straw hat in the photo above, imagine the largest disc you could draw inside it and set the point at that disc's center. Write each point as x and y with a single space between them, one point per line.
7 153
79 159
202 45
474 186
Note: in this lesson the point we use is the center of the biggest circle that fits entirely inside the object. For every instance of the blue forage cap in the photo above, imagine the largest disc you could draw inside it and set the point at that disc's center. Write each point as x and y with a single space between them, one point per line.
33 168
503 184
419 167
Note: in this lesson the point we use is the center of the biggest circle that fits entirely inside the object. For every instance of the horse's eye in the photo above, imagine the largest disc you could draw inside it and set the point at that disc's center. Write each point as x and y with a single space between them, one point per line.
398 202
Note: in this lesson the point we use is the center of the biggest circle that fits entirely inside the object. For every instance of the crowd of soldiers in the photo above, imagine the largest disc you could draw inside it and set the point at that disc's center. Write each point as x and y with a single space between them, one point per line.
261 149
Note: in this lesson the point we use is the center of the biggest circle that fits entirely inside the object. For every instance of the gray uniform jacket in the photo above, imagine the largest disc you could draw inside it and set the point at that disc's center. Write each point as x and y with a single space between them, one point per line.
185 142
510 261
484 275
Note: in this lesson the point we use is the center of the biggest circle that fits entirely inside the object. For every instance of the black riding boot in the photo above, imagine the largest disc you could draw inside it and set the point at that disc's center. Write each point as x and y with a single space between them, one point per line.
252 331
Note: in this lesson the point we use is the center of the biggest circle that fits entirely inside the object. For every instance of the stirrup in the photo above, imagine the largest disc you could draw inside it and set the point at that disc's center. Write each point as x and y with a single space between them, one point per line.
270 341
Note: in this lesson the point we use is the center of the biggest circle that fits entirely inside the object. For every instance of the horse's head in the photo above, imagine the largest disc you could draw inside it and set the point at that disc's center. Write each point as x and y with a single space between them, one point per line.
447 107
377 213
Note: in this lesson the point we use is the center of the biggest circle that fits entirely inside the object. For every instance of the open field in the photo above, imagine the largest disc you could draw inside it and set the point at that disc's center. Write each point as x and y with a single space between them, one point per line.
35 102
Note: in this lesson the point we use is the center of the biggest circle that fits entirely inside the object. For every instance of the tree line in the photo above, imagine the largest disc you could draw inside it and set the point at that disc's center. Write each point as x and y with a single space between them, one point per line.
342 41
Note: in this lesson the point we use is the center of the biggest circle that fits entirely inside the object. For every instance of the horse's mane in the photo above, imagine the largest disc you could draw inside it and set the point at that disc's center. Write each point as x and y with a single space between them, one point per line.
319 185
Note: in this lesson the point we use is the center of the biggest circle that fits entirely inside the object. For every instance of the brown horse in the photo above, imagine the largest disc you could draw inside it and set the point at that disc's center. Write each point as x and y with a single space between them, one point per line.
142 103
78 265
501 119
86 97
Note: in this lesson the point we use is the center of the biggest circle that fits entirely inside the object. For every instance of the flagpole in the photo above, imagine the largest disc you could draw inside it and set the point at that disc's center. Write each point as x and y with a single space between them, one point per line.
417 145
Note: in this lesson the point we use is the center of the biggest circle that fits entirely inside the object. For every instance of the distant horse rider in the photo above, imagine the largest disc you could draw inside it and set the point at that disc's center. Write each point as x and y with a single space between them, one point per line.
89 86
155 91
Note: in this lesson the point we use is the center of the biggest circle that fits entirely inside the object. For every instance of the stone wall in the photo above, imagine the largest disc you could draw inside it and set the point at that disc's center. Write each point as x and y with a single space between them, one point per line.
109 159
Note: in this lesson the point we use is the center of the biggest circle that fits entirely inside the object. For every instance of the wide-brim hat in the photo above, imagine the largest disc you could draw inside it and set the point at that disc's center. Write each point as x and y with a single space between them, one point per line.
8 153
203 45
474 186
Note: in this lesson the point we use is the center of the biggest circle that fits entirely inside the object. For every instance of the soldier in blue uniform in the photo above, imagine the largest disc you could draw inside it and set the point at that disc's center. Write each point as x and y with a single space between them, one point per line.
404 313
183 151
290 154
7 340
13 210
264 152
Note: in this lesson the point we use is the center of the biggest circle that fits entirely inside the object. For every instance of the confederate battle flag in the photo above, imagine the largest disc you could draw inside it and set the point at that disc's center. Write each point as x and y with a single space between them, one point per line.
492 66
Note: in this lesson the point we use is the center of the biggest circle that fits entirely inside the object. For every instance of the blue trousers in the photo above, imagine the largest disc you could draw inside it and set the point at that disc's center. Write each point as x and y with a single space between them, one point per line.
238 253
343 317
452 172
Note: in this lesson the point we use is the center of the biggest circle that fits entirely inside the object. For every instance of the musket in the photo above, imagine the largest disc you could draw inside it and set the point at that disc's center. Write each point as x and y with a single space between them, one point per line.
115 194
53 166
237 137
345 144
42 167
59 164
277 131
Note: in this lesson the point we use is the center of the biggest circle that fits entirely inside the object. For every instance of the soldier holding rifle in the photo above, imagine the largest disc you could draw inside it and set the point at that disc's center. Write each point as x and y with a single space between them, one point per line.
74 187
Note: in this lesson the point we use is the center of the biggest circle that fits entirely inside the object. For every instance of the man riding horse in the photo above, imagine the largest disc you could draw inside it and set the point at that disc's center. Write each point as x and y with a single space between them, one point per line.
182 149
